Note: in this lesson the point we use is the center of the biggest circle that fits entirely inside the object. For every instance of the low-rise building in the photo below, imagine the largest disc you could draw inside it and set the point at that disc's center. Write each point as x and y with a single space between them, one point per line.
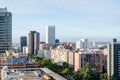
59 56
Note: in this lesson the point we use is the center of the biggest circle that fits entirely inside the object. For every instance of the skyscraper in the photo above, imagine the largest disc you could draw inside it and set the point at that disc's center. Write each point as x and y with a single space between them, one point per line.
23 42
33 42
50 35
113 60
57 41
5 30
36 42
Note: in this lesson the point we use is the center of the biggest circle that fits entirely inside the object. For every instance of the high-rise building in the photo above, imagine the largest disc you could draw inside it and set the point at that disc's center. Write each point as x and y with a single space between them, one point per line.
57 41
50 35
23 42
5 30
33 42
113 60
36 42
82 44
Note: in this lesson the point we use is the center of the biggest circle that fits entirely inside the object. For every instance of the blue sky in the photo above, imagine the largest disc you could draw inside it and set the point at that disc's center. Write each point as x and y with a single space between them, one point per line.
74 19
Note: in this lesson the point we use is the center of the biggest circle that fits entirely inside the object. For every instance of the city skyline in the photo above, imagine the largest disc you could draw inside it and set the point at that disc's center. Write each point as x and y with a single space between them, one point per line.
98 20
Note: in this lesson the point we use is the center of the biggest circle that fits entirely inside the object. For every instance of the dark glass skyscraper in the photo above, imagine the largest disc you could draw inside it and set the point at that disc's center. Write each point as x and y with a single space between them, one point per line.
5 30
33 42
113 61
23 42
57 42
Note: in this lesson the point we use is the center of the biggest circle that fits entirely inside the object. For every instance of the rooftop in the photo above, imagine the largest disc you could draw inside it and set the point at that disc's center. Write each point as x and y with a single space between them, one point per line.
3 9
22 75
53 74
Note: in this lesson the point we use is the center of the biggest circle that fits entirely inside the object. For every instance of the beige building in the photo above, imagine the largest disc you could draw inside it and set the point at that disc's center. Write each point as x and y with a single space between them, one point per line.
59 55
71 59
93 58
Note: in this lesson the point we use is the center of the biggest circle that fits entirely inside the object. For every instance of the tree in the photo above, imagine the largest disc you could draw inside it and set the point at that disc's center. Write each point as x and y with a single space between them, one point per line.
86 74
42 63
65 71
65 65
83 74
103 76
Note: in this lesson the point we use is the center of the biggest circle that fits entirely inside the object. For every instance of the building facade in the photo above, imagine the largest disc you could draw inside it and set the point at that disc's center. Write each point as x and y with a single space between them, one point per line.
5 30
33 42
71 58
23 42
113 61
82 44
50 35
93 58
25 49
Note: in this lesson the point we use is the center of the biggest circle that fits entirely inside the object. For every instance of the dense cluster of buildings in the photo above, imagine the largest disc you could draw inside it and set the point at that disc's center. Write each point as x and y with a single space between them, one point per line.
75 59
34 40
18 66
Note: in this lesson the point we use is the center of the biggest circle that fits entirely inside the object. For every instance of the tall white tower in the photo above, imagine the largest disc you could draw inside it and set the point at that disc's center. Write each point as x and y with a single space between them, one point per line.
50 35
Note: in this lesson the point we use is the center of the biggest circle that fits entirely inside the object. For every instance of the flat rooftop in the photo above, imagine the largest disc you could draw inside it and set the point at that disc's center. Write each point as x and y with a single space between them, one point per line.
26 75
53 74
